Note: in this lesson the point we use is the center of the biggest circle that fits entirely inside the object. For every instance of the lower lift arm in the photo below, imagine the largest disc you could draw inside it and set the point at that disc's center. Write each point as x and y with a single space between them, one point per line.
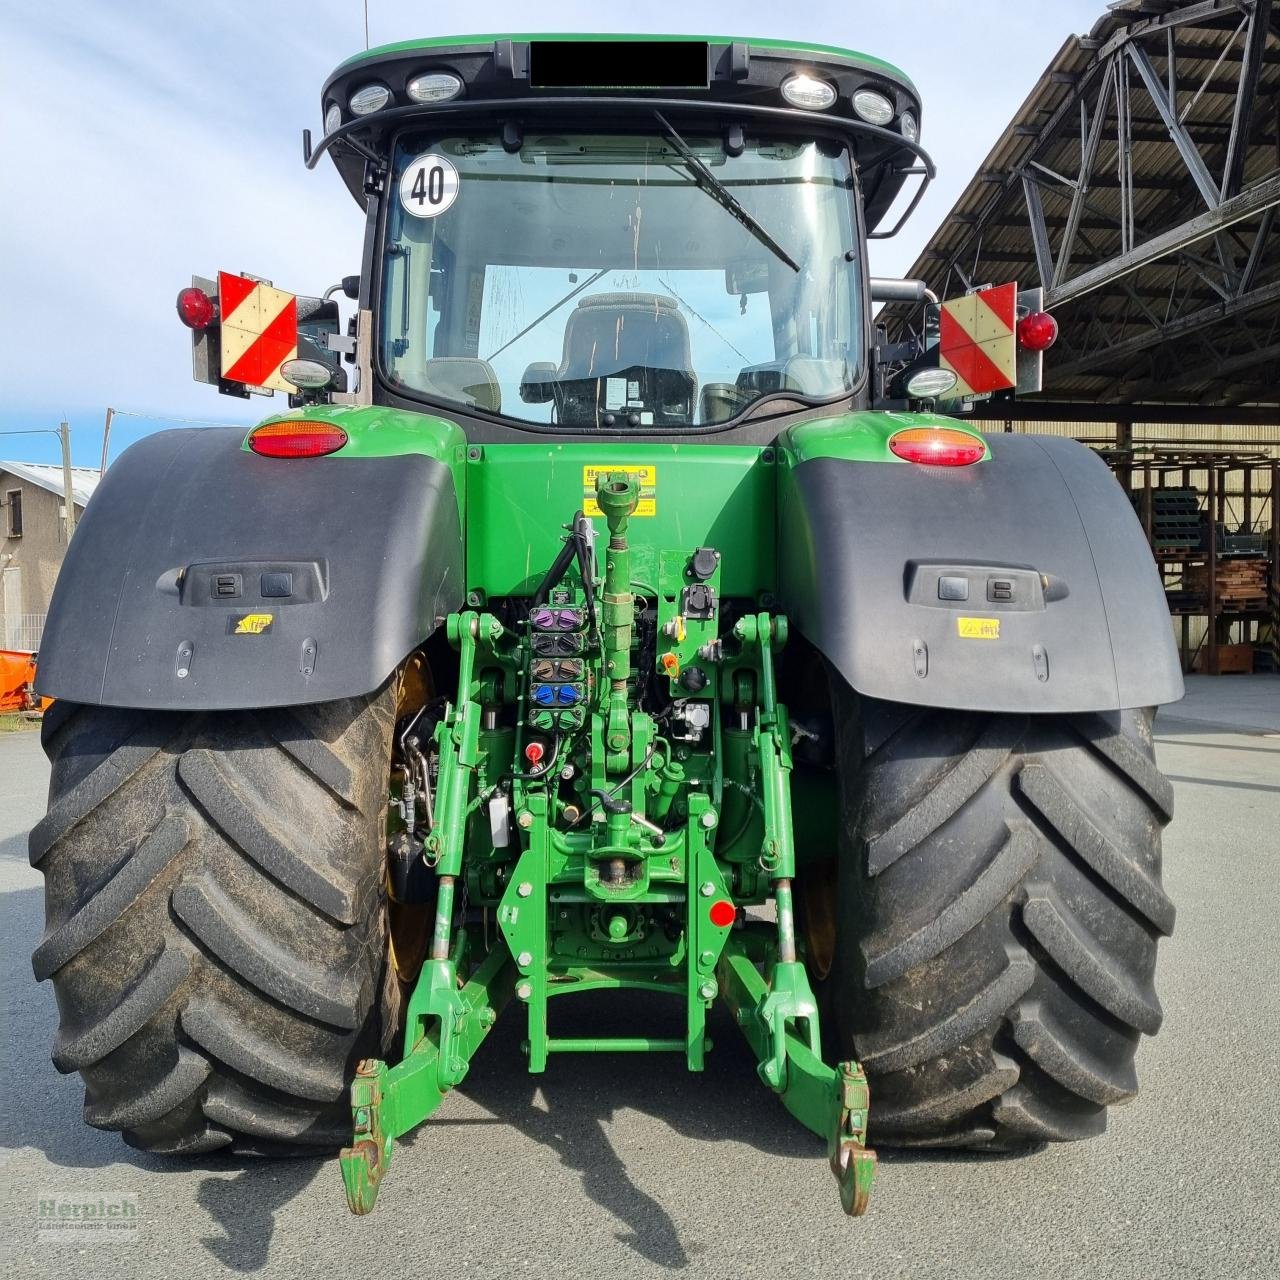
387 1102
445 1024
776 1009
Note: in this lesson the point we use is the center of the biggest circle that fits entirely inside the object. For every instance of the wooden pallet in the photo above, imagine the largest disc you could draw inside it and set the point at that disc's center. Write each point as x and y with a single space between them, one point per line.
1242 583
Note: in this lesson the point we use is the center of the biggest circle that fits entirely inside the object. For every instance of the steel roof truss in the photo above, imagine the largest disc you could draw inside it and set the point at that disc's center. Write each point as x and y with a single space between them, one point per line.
1255 43
1181 139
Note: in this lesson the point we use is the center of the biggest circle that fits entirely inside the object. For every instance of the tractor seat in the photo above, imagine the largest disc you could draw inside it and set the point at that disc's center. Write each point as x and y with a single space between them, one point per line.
464 381
625 353
613 332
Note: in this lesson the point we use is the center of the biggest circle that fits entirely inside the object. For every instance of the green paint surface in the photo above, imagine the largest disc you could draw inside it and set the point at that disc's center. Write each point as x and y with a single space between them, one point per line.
709 495
516 498
375 431
860 437
780 46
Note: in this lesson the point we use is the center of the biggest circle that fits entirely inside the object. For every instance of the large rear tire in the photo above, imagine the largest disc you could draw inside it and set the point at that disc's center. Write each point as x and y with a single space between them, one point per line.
215 918
999 904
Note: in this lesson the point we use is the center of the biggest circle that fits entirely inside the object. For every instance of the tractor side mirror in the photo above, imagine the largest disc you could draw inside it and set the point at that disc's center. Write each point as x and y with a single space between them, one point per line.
537 386
884 289
351 287
751 276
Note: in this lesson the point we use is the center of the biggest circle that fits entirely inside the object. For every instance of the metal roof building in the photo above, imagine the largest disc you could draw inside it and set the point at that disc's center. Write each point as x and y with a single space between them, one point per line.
34 530
46 475
1138 184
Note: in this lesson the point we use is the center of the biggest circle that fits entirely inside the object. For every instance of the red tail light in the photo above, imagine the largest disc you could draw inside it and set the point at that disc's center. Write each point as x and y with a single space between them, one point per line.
195 308
296 439
937 446
1037 331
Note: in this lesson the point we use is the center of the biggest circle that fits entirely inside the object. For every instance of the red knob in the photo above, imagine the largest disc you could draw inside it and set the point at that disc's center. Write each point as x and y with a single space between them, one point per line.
722 914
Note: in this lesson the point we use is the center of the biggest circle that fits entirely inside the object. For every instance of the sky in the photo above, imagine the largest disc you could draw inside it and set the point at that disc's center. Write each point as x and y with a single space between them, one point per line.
143 142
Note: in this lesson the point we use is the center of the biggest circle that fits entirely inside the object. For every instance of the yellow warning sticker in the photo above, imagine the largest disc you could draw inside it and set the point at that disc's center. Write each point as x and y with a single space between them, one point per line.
647 476
978 628
252 624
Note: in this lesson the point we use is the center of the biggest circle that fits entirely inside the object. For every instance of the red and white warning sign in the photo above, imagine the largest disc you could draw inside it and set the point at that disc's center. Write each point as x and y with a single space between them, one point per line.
259 331
978 340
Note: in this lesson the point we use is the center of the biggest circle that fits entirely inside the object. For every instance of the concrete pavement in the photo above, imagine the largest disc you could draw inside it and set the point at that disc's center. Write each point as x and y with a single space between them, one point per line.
617 1167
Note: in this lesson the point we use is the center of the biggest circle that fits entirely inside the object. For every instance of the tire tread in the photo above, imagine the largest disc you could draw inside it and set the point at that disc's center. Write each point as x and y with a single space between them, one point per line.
215 918
999 909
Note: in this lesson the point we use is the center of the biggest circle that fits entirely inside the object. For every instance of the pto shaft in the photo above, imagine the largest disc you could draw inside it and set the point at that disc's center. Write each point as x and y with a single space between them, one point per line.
617 493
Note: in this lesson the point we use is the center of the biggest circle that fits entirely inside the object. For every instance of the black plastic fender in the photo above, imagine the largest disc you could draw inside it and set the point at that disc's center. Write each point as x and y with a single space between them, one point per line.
1063 608
203 577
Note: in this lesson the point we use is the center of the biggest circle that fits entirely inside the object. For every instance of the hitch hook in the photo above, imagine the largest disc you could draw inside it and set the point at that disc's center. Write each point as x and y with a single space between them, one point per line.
366 1159
853 1164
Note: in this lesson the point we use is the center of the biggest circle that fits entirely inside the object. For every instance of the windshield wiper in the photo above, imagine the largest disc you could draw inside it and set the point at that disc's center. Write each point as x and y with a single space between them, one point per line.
721 194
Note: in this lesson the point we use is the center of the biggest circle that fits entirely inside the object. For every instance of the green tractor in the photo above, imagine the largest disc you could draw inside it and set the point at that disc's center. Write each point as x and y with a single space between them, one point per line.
612 611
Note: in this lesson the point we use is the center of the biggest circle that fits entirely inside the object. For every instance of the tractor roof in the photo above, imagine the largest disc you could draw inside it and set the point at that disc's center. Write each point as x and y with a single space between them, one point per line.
608 80
806 51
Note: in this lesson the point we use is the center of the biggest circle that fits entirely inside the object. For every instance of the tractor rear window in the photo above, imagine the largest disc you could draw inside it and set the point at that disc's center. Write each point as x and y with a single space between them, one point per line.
620 282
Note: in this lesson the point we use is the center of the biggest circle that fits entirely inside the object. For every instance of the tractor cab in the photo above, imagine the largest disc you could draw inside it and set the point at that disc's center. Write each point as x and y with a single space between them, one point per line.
635 236
600 280
597 235
640 237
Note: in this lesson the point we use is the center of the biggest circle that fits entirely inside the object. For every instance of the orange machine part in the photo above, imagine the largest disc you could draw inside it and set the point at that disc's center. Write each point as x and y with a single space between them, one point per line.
17 678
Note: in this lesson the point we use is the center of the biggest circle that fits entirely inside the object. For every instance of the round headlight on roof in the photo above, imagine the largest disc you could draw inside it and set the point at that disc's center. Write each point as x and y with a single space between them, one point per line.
910 127
332 117
369 98
434 86
808 92
872 106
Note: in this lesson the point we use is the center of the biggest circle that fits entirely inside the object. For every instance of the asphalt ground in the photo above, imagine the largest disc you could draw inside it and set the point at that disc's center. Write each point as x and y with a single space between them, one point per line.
624 1167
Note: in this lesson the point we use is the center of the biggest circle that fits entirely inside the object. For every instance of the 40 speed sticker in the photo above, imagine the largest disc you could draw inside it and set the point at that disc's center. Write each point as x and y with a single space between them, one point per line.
429 186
